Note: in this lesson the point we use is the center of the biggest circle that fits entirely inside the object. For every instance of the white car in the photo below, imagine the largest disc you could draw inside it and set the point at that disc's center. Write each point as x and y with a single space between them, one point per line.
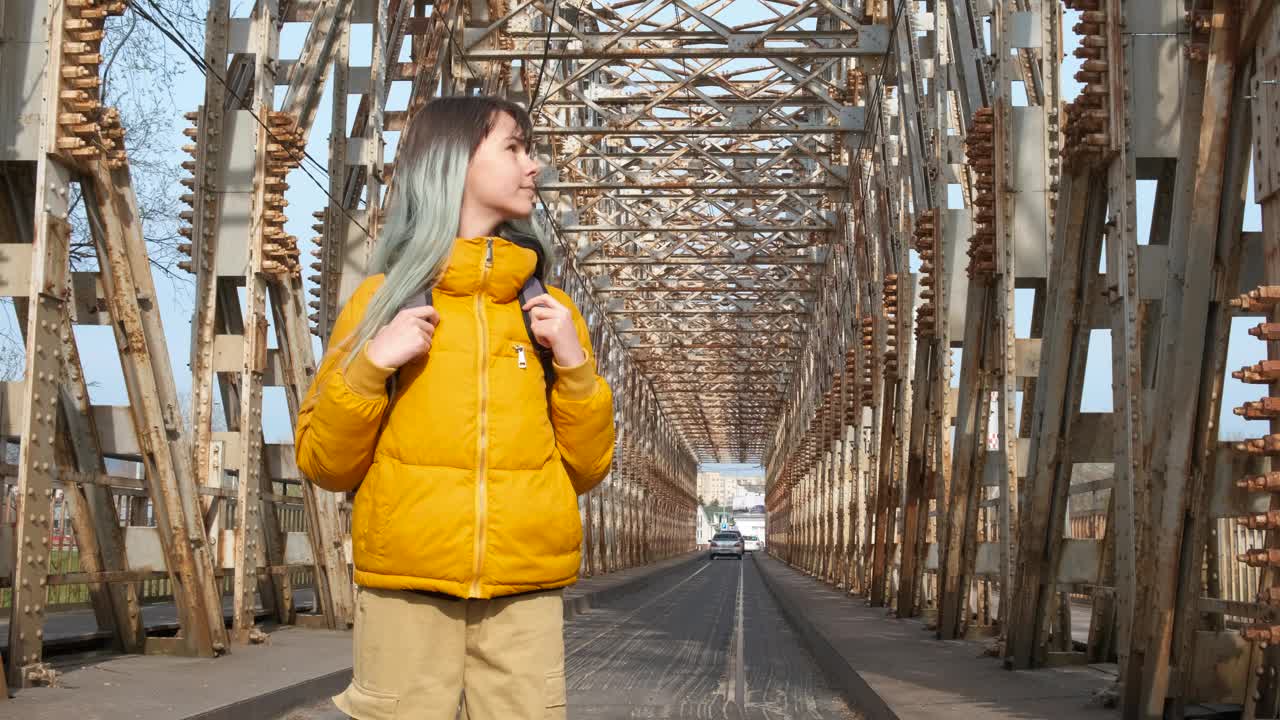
751 543
725 543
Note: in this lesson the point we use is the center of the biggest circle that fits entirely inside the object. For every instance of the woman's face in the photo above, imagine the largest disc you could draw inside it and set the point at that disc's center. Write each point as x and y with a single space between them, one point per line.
502 174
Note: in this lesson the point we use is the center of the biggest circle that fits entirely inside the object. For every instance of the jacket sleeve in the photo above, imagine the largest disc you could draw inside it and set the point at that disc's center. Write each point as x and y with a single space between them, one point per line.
341 415
582 412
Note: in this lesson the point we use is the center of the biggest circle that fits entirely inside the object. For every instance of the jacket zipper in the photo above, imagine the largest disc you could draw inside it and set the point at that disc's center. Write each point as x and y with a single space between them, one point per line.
482 442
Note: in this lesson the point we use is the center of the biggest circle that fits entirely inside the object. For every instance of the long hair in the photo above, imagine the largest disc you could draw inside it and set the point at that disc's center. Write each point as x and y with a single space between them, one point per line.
425 202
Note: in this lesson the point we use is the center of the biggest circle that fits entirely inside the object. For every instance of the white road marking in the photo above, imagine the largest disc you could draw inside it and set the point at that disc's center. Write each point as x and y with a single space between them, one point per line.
620 623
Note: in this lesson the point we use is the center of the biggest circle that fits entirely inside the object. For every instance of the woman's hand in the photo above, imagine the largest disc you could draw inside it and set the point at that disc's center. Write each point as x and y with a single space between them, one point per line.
552 325
406 337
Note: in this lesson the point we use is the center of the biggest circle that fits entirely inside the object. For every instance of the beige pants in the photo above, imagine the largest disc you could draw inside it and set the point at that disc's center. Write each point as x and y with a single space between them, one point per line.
417 655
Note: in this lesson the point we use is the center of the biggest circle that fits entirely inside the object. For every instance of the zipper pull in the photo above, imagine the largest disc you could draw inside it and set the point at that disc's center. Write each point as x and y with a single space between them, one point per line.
488 258
520 361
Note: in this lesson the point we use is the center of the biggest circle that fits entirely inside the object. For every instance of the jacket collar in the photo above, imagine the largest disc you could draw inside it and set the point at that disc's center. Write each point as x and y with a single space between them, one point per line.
465 274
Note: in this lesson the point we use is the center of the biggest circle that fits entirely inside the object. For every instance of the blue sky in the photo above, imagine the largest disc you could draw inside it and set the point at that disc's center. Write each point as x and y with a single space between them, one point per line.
738 469
304 197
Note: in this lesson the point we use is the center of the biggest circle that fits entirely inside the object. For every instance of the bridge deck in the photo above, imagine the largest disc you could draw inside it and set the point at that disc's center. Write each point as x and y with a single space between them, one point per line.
895 668
682 639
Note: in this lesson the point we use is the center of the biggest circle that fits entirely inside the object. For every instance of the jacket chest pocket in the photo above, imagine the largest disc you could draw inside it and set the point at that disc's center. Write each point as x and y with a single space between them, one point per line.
519 401
520 357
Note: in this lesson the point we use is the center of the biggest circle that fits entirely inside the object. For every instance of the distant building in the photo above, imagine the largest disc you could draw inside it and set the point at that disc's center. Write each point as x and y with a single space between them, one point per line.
716 488
704 526
720 489
748 502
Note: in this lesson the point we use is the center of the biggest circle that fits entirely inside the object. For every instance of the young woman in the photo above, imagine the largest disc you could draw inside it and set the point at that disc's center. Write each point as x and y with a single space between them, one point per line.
465 457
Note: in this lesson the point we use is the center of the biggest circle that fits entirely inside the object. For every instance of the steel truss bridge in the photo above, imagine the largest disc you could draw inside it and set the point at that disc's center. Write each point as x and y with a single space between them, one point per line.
804 234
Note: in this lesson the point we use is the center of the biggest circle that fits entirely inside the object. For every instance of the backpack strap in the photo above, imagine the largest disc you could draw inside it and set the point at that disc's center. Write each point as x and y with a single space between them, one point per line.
533 287
419 299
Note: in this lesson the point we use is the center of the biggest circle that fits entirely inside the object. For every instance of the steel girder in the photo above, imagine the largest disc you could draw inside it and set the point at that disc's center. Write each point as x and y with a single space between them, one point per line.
698 178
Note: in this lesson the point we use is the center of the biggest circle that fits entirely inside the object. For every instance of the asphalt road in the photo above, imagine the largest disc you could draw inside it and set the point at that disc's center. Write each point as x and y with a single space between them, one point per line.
705 642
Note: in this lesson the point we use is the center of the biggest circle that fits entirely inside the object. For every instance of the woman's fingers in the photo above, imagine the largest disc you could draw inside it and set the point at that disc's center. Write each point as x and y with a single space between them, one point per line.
539 301
543 313
422 312
542 333
544 300
422 320
424 326
409 335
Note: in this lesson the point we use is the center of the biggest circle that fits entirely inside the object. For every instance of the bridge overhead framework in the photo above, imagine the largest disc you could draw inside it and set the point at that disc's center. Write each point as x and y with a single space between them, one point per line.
864 243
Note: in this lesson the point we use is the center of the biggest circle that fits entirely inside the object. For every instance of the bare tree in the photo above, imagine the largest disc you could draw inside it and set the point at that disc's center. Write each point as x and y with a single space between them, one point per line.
13 357
140 68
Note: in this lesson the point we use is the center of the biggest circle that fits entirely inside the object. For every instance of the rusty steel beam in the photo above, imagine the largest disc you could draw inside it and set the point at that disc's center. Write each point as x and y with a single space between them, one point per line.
771 271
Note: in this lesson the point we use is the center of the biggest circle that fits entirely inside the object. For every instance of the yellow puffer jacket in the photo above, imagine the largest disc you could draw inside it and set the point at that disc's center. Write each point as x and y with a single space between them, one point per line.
468 478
